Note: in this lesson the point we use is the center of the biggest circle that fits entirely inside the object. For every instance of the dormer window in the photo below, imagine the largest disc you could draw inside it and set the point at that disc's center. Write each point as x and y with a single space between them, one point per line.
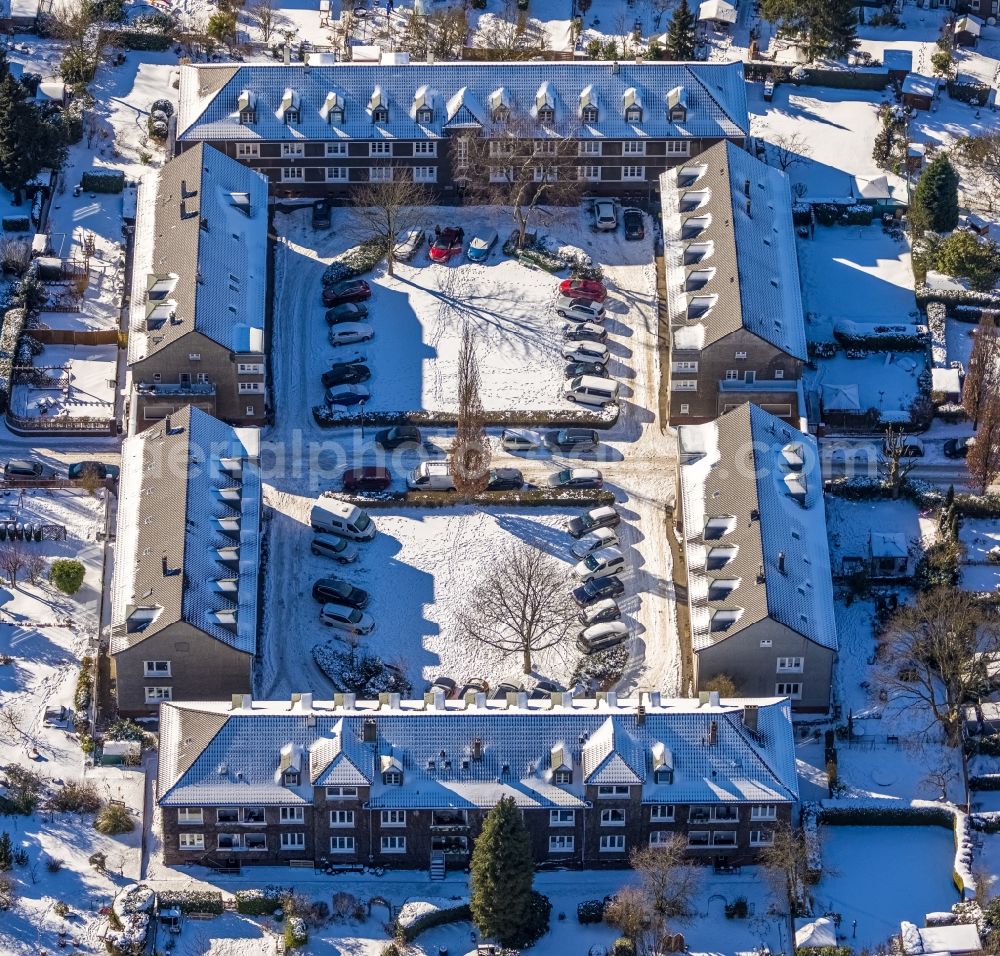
393 778
291 778
247 107
500 104
632 105
337 115
290 106
425 115
291 117
678 114
332 109
633 114
546 115
563 777
663 775
589 114
677 105
380 115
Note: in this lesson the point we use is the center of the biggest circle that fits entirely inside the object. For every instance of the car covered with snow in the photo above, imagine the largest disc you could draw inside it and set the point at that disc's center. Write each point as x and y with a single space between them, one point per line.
349 333
601 637
597 539
603 517
407 244
600 564
605 218
447 244
589 351
481 244
347 395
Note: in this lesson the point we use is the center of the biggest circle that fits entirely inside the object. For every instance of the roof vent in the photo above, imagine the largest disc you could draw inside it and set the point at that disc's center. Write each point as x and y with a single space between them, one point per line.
781 562
240 702
369 731
477 748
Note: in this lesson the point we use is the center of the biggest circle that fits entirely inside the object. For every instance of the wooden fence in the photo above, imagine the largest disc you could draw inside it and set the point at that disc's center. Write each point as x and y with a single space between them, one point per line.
76 336
68 425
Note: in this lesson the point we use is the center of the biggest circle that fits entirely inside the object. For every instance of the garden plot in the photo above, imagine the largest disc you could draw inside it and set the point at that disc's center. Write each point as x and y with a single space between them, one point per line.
884 381
850 525
980 572
419 570
959 337
73 381
912 877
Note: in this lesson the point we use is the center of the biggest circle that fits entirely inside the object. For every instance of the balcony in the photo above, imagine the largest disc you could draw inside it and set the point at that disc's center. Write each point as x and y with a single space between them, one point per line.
449 821
759 385
174 388
455 849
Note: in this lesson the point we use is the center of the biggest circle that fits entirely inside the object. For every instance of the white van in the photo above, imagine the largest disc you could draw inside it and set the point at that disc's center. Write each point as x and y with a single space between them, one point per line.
590 390
431 476
332 516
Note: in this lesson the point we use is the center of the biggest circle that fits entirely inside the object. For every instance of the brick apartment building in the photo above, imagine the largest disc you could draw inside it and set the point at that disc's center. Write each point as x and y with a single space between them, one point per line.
196 329
318 130
407 784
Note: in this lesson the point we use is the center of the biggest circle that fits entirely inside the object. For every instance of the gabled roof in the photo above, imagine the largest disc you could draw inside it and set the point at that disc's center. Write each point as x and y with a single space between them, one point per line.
189 486
713 755
744 210
766 553
208 109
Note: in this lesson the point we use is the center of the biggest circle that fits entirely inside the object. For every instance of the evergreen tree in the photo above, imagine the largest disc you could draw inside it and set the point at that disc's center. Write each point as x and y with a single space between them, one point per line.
838 28
935 200
680 34
28 141
502 870
6 852
828 27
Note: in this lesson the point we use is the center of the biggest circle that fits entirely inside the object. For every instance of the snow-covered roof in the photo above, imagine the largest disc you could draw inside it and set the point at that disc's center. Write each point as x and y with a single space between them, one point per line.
744 213
458 755
946 380
773 560
815 933
208 108
918 85
953 940
841 398
200 259
717 10
897 61
969 24
872 187
188 538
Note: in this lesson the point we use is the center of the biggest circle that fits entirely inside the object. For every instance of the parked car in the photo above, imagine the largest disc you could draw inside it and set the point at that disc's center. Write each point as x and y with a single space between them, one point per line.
597 539
407 243
576 369
576 478
346 375
579 310
592 289
598 589
350 290
447 243
591 390
584 332
481 244
23 468
603 517
600 564
910 447
397 436
348 312
519 439
332 546
350 332
349 619
445 685
600 612
604 215
958 447
504 688
98 469
321 214
573 440
352 357
367 478
347 395
543 689
474 685
338 591
431 476
588 351
632 220
601 637
505 479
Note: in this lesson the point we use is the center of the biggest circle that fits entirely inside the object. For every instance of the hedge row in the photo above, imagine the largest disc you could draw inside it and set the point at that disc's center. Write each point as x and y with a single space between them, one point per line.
986 781
937 316
535 498
11 328
513 418
897 338
952 298
104 181
355 262
257 902
16 224
191 901
459 913
140 39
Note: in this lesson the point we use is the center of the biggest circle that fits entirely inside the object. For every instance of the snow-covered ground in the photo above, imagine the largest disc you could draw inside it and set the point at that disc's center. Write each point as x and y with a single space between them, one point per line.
850 523
887 381
86 383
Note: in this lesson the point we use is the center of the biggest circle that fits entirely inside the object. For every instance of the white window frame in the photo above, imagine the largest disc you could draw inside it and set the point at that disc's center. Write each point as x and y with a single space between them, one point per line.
779 373
393 844
293 840
590 173
293 174
251 388
790 689
726 843
790 665
155 694
289 816
686 367
250 410
633 174
545 174
765 643
761 838
380 148
634 147
660 837
393 818
613 791
425 174
685 409
341 818
612 817
341 793
194 356
732 374
741 355
190 816
501 174
590 147
562 843
191 841
237 841
335 149
247 150
249 368
562 818
337 174
425 148
678 147
380 174
545 147
663 812
764 811
293 150
342 844
684 385
156 669
699 846
612 843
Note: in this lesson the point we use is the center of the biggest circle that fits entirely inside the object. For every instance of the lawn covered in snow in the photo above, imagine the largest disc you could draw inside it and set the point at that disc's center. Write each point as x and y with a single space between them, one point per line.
849 525
86 383
886 381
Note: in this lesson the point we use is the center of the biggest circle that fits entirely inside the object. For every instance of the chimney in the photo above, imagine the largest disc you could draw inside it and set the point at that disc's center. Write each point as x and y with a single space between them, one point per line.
394 701
521 699
306 701
713 734
439 700
614 68
654 698
612 699
640 715
287 54
750 719
477 748
480 700
241 702
781 561
349 701
713 698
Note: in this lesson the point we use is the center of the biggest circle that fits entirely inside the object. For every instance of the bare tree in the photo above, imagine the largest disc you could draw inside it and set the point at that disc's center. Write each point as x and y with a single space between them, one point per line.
628 912
441 33
263 13
983 459
981 157
511 35
934 655
790 149
786 867
77 25
521 605
894 463
384 209
11 562
34 567
470 451
522 164
982 378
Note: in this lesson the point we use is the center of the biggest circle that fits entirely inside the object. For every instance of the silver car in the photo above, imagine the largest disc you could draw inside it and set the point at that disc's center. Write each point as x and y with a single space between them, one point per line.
600 564
350 333
597 539
348 619
586 352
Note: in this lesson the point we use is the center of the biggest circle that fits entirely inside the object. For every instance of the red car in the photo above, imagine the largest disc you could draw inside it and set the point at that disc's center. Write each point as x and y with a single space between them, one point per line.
367 478
447 243
350 290
584 289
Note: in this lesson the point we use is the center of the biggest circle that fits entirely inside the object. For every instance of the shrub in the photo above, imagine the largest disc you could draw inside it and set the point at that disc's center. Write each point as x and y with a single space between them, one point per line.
538 925
354 262
141 39
623 947
23 789
103 181
67 575
881 337
16 224
296 934
53 864
84 685
418 915
258 902
76 797
391 950
604 667
114 819
964 256
738 909
125 729
8 892
590 911
192 901
507 418
534 497
357 671
61 909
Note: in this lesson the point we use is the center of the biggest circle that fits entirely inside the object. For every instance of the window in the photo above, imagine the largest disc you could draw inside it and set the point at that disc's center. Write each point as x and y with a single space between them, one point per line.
393 778
501 174
563 776
186 816
698 838
155 694
227 815
589 114
245 150
741 355
723 838
342 818
612 818
380 115
633 114
545 147
425 115
662 812
590 173
761 838
293 149
249 368
251 388
336 149
248 117
634 147
335 792
337 114
425 148
546 115
293 174
501 147
156 668
194 356
250 410
589 147
561 843
764 811
547 174
380 174
292 778
685 410
394 818
394 844
380 149
677 147
790 665
562 818
292 814
678 114
684 385
659 837
295 840
425 174
633 172
613 790
765 643
686 367
794 691
342 844
336 174
779 373
157 377
732 374
613 843
191 841
292 116
230 841
255 841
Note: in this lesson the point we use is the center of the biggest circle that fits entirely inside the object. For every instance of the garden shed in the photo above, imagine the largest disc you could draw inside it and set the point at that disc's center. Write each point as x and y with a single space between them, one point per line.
898 63
919 91
120 751
946 385
717 12
958 939
815 933
967 30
